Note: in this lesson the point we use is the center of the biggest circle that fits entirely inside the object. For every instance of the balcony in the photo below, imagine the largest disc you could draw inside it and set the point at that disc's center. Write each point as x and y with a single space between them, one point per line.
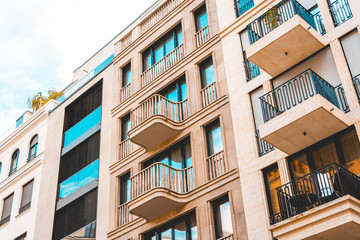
216 165
202 36
157 120
340 11
209 94
159 189
162 65
242 6
251 70
300 112
125 92
127 148
283 36
324 204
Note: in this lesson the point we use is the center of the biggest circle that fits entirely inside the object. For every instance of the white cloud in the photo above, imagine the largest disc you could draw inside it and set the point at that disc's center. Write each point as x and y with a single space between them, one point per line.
43 41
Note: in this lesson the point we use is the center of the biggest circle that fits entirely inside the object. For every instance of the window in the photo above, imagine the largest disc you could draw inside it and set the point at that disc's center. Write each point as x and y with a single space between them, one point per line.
178 156
33 147
214 138
207 73
342 148
21 237
126 75
125 127
272 181
162 47
183 228
0 167
176 92
201 19
251 70
222 217
14 162
26 196
6 211
125 188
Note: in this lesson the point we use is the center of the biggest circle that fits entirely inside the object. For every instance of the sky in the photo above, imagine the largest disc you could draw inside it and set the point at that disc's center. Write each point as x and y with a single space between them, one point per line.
43 41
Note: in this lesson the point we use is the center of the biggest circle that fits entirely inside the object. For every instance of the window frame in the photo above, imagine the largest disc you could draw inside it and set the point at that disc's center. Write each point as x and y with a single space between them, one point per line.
124 183
33 145
126 119
197 12
217 221
25 206
14 161
202 66
269 199
124 71
207 137
5 219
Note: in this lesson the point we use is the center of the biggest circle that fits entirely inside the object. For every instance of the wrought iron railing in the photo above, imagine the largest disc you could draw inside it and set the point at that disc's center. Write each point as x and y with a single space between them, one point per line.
209 94
340 11
160 175
242 6
263 147
295 91
12 171
202 36
356 82
216 165
319 23
251 70
343 103
276 16
314 189
159 105
31 157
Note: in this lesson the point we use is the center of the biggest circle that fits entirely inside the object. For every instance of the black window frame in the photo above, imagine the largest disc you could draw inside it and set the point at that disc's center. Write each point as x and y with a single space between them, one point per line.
14 162
197 13
267 187
202 66
177 83
216 215
124 184
124 71
208 127
124 131
5 219
33 145
21 237
27 205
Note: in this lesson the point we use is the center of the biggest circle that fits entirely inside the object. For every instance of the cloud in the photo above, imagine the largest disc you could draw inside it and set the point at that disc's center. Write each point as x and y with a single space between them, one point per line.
43 41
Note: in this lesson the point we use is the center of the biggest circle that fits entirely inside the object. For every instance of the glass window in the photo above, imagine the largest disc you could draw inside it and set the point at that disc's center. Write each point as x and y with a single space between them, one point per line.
201 18
125 188
6 211
351 148
214 138
22 237
33 147
125 127
325 155
26 196
162 47
222 217
272 181
0 167
126 75
299 165
207 73
14 162
176 92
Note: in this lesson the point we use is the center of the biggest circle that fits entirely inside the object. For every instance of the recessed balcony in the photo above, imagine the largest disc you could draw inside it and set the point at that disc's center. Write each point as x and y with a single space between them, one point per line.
283 36
300 112
324 204
159 189
157 120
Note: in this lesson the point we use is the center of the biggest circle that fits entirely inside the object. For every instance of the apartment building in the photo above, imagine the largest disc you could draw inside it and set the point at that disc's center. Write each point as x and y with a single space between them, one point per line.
209 119
21 163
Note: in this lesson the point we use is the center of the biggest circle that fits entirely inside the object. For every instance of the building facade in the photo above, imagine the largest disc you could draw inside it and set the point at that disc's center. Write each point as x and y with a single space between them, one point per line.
210 119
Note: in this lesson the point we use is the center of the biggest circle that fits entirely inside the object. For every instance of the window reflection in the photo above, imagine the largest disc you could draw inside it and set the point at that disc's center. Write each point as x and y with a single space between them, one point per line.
214 138
222 217
201 18
351 148
272 181
207 73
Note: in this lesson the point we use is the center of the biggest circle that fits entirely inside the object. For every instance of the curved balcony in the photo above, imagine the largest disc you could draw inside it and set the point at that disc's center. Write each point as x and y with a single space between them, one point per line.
301 112
156 120
283 36
159 189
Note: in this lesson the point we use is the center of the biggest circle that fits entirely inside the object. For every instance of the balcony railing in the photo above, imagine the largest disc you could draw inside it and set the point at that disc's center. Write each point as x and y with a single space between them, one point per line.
263 147
319 23
162 65
216 165
126 41
31 157
340 11
343 103
160 175
276 16
251 70
242 6
314 189
295 91
356 81
228 237
125 92
124 214
159 14
159 105
209 94
127 147
202 36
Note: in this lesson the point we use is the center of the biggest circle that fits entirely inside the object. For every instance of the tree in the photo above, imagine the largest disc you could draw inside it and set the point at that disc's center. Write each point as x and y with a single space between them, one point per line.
37 101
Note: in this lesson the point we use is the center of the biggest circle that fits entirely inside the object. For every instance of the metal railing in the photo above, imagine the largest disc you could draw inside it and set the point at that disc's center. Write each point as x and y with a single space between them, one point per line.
228 237
216 165
343 103
31 157
319 23
124 215
263 147
314 189
12 171
158 105
160 175
209 94
127 147
340 11
295 91
275 17
125 92
162 65
356 82
159 14
251 70
202 36
242 6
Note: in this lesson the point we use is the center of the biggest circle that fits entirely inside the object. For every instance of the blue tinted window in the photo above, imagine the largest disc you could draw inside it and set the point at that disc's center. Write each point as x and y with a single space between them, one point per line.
201 18
207 73
214 139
